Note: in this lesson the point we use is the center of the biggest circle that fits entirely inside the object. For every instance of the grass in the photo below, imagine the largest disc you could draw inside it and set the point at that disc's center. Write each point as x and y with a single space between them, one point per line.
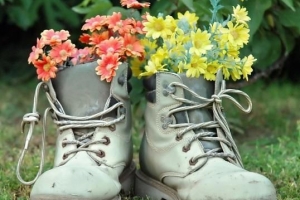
268 138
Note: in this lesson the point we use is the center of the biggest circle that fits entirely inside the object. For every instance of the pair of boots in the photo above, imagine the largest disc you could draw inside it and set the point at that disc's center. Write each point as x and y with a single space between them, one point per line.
187 151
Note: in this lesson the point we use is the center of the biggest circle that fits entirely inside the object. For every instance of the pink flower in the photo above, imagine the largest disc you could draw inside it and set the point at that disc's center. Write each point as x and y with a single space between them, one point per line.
81 56
95 23
107 66
60 53
113 45
134 4
51 37
36 51
45 68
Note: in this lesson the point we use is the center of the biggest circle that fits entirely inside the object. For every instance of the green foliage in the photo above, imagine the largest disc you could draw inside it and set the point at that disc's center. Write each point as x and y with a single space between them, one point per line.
25 13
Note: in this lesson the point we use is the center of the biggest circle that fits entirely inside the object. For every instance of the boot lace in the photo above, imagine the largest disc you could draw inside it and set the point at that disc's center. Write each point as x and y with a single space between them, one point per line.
219 122
64 121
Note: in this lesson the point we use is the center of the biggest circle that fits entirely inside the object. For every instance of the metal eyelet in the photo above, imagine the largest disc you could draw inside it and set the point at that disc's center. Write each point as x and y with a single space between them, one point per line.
107 140
64 144
192 161
185 149
65 156
112 127
178 138
100 154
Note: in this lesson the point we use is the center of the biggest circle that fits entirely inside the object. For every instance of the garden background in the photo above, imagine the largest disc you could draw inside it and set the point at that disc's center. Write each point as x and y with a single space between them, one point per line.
268 138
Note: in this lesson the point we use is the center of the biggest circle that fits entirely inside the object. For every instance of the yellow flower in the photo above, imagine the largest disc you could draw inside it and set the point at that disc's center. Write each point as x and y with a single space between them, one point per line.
136 65
236 73
211 70
160 54
148 44
247 68
157 27
190 17
240 14
201 42
225 72
153 66
196 67
171 23
236 35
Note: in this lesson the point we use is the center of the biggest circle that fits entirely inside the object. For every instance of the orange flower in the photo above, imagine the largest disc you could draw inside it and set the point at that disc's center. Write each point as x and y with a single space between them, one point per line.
97 38
134 4
45 68
81 56
52 37
132 46
113 45
107 66
61 52
95 23
85 38
36 51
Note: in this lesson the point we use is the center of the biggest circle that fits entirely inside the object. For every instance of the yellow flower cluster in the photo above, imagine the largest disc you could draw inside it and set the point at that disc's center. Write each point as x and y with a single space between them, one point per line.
178 45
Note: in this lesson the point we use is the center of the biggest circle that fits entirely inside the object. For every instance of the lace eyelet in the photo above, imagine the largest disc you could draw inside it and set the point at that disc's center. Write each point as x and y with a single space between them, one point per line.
193 162
107 140
112 127
100 154
178 138
64 144
185 149
65 156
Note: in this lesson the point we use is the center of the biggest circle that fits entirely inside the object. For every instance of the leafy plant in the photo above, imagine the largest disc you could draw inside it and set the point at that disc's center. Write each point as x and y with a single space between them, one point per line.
25 13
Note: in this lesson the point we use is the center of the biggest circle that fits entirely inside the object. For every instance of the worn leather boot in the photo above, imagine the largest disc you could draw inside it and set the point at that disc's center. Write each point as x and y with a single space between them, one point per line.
94 148
187 150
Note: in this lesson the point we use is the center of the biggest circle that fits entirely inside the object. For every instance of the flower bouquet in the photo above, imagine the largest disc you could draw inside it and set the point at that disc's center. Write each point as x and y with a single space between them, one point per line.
178 45
109 40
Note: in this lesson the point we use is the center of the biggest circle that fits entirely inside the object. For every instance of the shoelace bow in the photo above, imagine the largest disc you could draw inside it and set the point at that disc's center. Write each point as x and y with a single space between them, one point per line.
220 122
64 122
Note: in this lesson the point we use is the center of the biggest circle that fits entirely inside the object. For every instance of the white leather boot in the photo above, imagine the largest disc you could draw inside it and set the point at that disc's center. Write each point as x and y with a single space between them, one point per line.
94 148
187 150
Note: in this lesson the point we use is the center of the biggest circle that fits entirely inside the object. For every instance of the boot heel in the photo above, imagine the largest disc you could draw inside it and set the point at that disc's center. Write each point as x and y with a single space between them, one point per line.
127 180
149 188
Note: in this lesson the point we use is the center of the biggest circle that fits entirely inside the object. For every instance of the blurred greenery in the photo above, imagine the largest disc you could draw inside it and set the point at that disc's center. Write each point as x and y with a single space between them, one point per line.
271 141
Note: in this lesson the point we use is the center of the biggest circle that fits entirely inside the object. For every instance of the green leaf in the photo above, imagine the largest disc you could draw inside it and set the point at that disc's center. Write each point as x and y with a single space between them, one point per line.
266 48
99 8
162 6
81 10
289 3
19 16
286 37
189 4
256 10
289 18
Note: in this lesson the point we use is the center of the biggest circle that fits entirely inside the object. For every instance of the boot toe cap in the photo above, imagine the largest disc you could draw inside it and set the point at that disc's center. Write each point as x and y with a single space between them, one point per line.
76 182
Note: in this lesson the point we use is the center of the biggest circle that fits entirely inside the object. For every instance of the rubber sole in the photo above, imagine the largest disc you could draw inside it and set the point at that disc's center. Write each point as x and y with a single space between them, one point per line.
145 186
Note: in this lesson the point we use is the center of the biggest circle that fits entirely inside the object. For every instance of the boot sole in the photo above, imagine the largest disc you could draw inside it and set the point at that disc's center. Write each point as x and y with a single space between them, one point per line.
149 188
126 180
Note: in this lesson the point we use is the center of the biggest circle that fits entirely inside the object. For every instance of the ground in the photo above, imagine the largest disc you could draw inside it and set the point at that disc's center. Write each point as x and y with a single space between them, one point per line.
268 138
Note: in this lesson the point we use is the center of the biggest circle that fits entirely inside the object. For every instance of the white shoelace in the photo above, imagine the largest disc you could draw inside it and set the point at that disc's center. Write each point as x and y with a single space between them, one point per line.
220 122
65 122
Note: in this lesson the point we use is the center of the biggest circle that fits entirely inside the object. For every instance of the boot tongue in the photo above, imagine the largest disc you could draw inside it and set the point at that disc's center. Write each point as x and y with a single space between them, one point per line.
80 91
205 89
